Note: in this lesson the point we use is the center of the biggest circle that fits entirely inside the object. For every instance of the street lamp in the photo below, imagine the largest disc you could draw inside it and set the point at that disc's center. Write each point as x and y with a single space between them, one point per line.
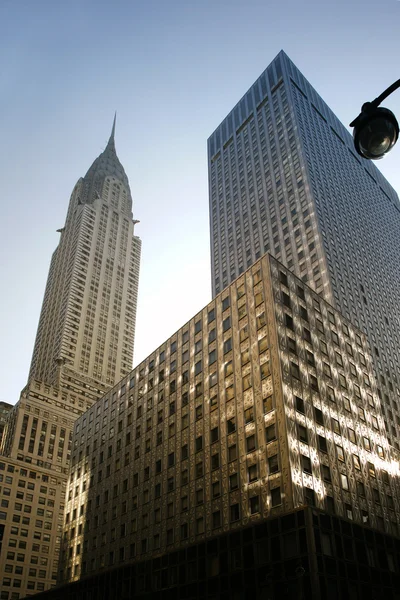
375 129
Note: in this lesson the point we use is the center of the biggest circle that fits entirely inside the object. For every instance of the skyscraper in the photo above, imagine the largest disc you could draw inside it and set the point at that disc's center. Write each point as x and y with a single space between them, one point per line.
84 345
250 411
284 178
88 315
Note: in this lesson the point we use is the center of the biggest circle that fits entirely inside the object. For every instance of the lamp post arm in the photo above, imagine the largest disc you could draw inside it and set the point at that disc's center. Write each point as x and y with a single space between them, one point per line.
386 93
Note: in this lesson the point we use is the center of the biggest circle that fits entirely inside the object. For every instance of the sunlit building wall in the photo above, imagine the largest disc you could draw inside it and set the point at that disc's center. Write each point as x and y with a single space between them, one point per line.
284 178
264 402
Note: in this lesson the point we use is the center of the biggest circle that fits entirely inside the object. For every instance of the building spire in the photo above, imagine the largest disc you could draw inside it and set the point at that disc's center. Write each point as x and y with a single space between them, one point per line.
113 127
111 141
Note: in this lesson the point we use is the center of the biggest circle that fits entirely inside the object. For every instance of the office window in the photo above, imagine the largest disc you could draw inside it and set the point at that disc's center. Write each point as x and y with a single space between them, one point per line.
231 425
295 370
251 443
265 370
263 344
302 433
246 382
299 404
212 336
225 303
322 444
249 414
212 357
360 489
227 345
252 472
213 379
326 473
286 300
267 404
215 461
216 489
228 368
216 519
261 320
244 333
283 278
233 481
340 453
234 512
273 464
226 324
309 496
314 383
276 497
306 464
254 505
232 453
270 433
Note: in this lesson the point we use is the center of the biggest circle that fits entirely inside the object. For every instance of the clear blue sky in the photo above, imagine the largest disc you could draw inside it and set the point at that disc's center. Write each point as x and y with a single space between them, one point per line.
172 69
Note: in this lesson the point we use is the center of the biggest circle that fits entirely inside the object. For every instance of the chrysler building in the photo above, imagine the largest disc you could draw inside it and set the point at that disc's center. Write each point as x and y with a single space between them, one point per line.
87 321
84 346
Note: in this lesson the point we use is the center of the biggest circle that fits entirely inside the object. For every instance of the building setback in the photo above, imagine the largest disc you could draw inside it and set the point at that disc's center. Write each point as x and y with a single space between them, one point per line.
284 178
261 404
84 345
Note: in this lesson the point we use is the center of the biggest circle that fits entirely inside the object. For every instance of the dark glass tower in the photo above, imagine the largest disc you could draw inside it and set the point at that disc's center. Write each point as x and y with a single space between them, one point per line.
284 178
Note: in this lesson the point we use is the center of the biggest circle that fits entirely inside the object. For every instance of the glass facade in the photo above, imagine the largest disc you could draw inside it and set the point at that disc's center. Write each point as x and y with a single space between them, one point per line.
284 178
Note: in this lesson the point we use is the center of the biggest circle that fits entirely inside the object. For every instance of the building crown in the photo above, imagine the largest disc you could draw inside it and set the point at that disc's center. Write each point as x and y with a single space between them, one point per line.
105 165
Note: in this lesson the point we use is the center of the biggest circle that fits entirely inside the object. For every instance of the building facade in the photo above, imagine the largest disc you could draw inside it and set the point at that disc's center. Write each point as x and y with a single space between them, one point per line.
305 554
5 409
88 315
84 345
261 404
34 459
284 178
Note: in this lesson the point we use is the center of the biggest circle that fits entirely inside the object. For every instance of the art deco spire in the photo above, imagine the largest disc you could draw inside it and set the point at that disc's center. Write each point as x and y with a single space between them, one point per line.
105 165
111 141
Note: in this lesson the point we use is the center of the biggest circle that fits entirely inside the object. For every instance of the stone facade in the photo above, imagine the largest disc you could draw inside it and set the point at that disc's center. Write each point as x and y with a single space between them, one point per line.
262 403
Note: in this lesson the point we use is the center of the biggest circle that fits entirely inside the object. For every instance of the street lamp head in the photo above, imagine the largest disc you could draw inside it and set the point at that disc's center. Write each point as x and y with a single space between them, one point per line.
375 131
